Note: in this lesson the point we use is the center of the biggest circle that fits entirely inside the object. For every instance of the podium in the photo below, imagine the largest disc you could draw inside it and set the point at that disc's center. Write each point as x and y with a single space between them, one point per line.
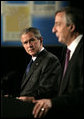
12 108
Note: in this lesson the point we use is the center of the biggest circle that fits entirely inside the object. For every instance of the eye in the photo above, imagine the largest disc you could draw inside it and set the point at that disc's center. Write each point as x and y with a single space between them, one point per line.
32 39
57 24
25 42
28 41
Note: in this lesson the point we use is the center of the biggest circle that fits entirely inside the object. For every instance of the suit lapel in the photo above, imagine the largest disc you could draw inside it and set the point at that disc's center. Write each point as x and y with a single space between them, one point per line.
27 77
34 66
66 78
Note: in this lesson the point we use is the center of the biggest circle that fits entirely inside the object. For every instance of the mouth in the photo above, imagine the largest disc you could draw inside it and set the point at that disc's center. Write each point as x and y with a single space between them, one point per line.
30 50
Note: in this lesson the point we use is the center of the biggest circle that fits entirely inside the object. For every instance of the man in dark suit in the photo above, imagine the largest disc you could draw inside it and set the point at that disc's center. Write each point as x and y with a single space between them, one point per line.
42 78
69 102
41 81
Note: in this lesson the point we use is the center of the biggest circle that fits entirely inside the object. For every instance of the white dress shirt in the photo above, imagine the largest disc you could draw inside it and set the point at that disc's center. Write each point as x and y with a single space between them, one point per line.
74 44
34 57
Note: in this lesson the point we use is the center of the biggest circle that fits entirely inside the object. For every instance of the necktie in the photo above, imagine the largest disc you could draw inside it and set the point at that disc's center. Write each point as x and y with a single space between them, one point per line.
66 60
28 66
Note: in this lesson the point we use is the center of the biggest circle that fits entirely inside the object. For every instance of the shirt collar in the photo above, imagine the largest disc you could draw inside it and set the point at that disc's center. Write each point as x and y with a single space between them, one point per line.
34 57
74 44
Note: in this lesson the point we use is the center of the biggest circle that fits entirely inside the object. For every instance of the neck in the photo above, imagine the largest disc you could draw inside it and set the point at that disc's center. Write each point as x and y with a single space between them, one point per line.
73 37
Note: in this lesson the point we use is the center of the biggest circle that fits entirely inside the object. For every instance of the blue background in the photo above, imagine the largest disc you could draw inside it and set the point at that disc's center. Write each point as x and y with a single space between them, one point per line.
45 25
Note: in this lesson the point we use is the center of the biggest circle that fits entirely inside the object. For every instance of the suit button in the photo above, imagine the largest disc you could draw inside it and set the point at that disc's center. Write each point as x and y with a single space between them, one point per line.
36 64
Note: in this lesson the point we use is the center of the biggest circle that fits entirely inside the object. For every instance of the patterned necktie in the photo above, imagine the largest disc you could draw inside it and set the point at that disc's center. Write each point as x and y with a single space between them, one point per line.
66 60
28 66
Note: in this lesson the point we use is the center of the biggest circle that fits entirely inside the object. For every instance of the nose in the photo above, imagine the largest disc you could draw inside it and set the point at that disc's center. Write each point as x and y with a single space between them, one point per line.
29 44
53 29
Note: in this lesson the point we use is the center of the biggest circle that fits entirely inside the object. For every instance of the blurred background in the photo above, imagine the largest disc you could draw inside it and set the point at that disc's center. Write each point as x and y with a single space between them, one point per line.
15 16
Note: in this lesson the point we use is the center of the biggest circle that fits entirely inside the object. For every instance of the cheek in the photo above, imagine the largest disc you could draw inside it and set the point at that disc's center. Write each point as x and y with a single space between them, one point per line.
37 45
59 31
64 32
62 35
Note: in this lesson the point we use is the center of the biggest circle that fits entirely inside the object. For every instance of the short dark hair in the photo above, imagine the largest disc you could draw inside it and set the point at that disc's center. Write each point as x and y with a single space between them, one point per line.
34 30
73 16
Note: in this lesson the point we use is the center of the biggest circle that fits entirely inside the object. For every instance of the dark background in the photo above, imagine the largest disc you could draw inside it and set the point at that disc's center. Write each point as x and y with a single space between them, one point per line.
77 4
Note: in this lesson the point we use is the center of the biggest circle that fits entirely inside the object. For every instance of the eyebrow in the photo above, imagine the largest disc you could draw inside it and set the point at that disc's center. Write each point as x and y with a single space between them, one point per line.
31 39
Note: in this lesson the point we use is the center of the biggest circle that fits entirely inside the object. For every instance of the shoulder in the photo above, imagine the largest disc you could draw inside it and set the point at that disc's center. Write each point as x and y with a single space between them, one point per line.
51 58
51 55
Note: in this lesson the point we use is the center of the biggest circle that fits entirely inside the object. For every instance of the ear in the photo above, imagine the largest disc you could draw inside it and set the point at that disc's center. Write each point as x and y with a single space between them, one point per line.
72 27
41 40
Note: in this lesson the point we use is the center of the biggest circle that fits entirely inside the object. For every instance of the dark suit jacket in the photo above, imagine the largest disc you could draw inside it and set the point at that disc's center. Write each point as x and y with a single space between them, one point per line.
42 79
69 103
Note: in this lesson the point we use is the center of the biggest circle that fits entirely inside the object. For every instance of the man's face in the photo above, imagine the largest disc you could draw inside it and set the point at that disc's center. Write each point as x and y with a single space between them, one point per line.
60 28
31 44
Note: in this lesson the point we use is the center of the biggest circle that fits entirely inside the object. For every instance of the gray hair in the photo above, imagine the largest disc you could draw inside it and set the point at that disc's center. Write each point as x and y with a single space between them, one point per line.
73 16
34 30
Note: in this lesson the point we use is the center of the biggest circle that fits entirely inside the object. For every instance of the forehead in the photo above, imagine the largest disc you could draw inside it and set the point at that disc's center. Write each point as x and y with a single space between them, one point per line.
28 35
60 16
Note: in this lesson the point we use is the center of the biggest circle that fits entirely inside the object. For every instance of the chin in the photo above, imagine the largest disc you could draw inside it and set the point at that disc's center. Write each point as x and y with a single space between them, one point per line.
33 54
60 40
